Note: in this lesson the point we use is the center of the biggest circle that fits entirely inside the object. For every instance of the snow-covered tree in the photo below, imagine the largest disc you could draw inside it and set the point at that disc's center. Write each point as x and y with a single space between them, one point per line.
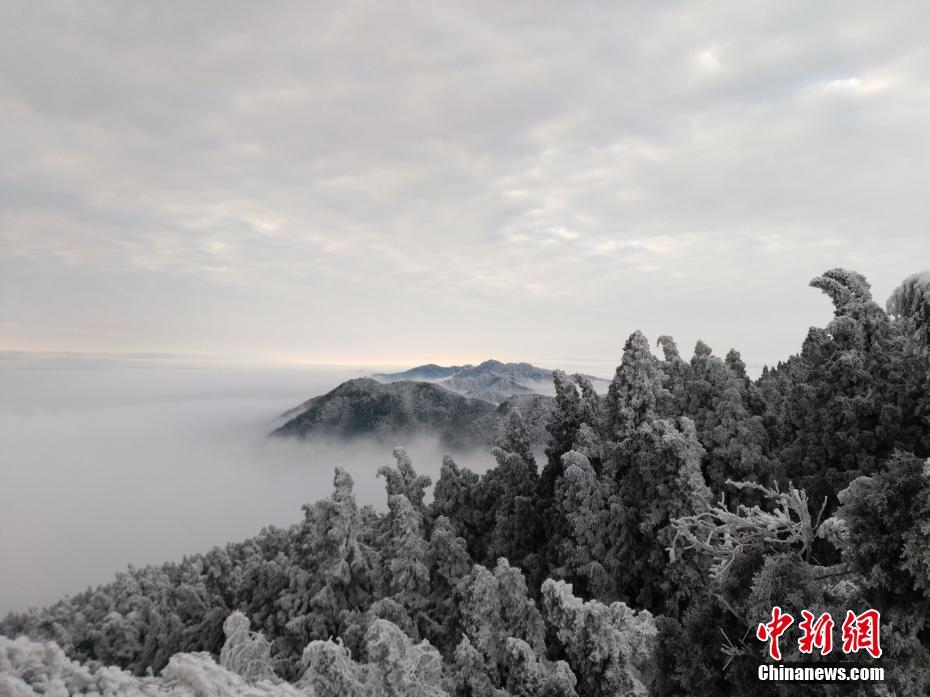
246 653
403 479
637 393
407 571
654 468
508 494
336 579
515 439
585 501
608 647
563 427
850 400
910 305
530 675
494 607
329 671
456 496
449 563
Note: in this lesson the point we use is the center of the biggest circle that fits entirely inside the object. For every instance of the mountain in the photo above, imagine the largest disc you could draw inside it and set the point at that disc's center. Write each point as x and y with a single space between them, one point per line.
461 405
366 407
430 371
492 380
536 410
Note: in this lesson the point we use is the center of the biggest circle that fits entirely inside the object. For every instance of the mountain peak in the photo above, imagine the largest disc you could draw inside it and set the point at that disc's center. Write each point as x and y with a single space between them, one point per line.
491 380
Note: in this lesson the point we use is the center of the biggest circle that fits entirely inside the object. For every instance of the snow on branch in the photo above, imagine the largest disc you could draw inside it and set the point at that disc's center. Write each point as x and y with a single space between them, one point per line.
724 534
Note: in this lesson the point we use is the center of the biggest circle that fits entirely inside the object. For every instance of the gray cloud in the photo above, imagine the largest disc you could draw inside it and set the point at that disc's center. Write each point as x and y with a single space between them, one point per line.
397 182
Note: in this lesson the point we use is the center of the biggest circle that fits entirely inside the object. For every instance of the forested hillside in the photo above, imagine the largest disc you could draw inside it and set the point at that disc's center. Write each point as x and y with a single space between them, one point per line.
403 410
667 520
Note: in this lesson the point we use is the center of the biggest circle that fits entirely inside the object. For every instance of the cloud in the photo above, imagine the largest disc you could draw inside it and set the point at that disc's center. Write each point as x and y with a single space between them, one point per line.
263 178
109 463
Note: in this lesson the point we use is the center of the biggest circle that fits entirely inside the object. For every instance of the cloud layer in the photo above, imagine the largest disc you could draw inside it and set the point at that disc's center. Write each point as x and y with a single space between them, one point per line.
109 463
391 182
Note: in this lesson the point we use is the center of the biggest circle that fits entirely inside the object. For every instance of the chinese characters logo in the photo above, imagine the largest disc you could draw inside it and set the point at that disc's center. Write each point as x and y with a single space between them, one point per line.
859 632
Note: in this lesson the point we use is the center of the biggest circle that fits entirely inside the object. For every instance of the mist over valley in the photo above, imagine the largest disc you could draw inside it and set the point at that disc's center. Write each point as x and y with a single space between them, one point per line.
110 462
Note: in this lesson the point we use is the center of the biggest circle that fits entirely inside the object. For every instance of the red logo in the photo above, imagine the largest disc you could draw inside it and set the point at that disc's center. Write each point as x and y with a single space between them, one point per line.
770 631
817 633
860 632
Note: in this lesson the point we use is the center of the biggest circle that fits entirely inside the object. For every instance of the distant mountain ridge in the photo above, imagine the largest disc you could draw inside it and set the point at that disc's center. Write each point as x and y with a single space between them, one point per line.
491 380
430 371
463 406
366 407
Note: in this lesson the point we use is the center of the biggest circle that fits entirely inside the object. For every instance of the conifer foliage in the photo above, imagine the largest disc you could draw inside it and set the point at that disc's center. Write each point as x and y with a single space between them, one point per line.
668 518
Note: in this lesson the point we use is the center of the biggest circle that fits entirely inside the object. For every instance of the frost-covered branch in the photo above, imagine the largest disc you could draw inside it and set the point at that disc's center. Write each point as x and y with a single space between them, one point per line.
724 534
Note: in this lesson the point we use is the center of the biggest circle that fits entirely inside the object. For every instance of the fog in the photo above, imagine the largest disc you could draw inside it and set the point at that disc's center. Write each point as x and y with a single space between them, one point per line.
105 463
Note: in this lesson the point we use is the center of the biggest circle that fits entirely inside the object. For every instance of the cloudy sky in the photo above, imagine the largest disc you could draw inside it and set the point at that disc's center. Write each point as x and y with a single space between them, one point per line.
371 182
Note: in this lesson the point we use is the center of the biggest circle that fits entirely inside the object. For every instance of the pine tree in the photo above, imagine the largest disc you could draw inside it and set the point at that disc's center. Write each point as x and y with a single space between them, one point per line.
470 675
449 563
407 573
530 675
678 372
655 469
608 647
400 668
909 305
847 405
494 607
246 653
403 479
508 494
737 446
329 671
515 439
337 577
637 393
457 497
585 501
563 427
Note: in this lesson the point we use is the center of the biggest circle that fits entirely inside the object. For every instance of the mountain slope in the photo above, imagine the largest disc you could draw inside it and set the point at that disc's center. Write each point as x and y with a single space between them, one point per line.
536 410
366 407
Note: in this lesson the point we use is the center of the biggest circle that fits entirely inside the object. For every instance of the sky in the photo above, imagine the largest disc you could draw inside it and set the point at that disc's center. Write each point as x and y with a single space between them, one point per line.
396 183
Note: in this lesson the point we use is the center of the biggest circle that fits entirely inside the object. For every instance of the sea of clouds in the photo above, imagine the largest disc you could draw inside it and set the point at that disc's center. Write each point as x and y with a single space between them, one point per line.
106 463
